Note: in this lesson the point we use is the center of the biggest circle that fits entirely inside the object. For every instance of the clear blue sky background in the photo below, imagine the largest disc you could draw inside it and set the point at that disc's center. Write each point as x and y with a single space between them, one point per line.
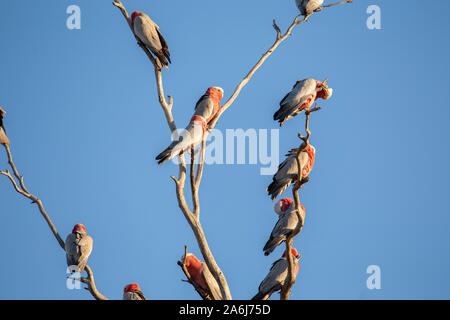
85 126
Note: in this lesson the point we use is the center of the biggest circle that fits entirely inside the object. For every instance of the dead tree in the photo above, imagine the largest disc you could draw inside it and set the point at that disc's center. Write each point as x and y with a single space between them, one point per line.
195 171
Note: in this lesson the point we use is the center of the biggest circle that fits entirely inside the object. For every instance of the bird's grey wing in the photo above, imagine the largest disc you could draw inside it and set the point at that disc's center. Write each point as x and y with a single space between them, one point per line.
286 223
71 248
145 29
278 234
164 45
287 172
272 281
204 107
300 94
288 168
85 244
290 104
161 39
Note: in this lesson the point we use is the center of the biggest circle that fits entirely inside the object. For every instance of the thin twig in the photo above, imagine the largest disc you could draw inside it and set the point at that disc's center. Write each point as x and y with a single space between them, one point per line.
337 3
24 191
201 164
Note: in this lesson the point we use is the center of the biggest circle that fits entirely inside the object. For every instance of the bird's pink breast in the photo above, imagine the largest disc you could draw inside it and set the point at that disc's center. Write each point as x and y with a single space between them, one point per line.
310 164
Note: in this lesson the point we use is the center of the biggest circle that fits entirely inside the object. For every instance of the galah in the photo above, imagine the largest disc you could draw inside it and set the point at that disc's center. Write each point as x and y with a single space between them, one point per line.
287 222
205 110
308 6
288 170
201 275
276 277
132 292
3 138
302 96
148 32
78 247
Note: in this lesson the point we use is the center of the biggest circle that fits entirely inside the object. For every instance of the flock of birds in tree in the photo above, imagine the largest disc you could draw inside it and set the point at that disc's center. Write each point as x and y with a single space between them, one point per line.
79 244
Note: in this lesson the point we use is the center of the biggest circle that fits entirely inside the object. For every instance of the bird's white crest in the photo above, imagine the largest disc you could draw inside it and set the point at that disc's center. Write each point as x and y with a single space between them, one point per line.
182 257
328 93
220 89
278 206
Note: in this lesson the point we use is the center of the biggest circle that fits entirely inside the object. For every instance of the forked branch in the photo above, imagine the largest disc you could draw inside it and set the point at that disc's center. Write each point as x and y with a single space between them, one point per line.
21 188
192 217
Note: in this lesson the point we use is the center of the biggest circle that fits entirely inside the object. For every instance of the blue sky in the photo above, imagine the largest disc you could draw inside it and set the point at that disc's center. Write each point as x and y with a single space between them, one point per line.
85 126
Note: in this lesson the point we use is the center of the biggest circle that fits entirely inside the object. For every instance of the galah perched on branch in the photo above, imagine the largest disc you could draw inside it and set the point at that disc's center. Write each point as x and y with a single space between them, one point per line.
205 110
308 6
288 170
148 32
132 292
78 247
3 138
301 97
201 275
287 222
276 277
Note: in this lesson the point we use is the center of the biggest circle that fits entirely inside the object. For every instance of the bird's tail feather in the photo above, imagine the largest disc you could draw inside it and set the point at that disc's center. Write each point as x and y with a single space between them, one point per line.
162 60
275 189
164 156
272 244
280 117
260 296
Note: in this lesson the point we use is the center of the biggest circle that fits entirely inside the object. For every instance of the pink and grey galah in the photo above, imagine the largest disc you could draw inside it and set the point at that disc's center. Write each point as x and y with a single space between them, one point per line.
288 170
205 110
78 247
287 222
201 275
3 138
302 96
308 6
148 32
276 277
132 292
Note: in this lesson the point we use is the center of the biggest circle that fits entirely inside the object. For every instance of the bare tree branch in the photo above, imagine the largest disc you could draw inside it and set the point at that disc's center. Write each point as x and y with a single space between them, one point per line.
278 41
201 164
91 284
191 217
24 191
335 4
291 276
